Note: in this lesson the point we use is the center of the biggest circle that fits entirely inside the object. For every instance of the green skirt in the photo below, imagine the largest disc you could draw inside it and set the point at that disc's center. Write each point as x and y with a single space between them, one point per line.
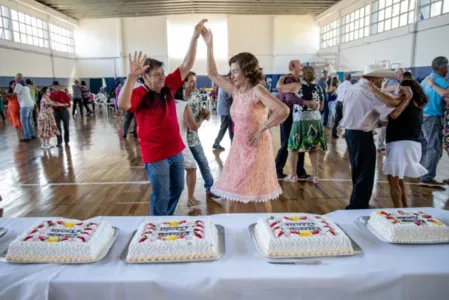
307 136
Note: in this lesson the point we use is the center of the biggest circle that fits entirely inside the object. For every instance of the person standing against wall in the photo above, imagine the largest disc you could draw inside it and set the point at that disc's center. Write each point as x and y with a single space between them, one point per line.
432 129
223 110
26 107
61 112
77 98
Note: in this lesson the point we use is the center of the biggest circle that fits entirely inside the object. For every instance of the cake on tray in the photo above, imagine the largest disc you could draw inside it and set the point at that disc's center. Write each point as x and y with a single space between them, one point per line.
178 240
301 235
408 227
61 240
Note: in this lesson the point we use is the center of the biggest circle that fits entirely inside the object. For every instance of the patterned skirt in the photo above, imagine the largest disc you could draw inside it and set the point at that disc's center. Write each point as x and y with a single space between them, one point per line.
307 136
446 128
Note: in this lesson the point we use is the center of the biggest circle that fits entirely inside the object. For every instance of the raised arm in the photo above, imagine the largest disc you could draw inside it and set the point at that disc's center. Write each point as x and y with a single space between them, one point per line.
189 118
212 71
136 69
407 93
279 114
189 59
442 92
385 98
292 87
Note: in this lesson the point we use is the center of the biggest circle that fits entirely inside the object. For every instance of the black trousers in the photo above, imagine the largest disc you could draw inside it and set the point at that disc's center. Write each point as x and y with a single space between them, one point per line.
77 103
128 119
86 103
282 155
64 116
226 124
2 114
338 117
362 154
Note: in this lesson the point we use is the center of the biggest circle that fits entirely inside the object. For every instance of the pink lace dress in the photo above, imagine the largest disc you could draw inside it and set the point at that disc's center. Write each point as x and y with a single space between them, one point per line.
249 174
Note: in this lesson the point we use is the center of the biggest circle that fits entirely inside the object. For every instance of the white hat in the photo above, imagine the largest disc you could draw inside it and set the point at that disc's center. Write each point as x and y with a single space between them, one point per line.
376 71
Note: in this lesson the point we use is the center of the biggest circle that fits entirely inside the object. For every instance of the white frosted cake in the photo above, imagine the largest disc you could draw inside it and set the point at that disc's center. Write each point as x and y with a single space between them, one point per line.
61 240
181 240
408 227
301 235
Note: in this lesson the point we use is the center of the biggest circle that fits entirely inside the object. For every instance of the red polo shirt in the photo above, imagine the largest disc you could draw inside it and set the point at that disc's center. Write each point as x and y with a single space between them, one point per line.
157 125
60 97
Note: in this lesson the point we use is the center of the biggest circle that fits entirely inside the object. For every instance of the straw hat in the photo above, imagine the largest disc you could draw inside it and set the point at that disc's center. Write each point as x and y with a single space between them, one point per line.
376 71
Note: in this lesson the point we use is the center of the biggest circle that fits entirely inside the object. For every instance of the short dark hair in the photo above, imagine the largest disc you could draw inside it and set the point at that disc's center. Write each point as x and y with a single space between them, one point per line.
439 63
188 75
116 85
250 67
83 83
10 89
348 76
44 90
153 63
55 83
28 81
408 76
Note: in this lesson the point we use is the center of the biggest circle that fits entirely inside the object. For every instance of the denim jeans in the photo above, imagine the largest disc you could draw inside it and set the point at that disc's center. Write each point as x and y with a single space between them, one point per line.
128 118
167 180
432 137
25 119
200 157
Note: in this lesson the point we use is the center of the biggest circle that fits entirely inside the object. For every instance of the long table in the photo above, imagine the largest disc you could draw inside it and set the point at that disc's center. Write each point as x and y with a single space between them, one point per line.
383 271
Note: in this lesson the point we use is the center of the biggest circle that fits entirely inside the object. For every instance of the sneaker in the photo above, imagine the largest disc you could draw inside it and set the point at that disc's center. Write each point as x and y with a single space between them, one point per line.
218 147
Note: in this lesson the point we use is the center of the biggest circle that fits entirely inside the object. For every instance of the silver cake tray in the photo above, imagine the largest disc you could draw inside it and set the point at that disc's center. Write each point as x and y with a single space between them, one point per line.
363 221
102 255
3 231
221 251
357 249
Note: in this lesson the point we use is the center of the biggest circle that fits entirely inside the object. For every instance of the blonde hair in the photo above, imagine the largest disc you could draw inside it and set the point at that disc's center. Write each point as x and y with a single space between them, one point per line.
308 74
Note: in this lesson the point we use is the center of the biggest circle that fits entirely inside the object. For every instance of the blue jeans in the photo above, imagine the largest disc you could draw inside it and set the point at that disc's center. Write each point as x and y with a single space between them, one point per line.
167 179
200 157
431 142
26 114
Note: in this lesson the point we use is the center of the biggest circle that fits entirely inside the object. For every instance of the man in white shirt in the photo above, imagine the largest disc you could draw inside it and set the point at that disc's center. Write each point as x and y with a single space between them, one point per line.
362 111
341 90
26 107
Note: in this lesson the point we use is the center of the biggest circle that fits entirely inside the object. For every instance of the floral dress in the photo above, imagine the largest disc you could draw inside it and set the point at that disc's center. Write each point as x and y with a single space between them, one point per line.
46 122
307 134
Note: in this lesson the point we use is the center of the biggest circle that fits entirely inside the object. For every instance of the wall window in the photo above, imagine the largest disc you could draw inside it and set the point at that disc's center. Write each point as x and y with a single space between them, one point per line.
433 8
61 39
5 24
329 34
29 30
355 25
391 14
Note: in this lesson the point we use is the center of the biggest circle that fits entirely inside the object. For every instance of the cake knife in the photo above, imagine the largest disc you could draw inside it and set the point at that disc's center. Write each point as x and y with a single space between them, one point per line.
298 262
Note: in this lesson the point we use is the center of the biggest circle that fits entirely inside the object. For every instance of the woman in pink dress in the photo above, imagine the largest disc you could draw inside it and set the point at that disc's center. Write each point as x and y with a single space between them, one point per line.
248 181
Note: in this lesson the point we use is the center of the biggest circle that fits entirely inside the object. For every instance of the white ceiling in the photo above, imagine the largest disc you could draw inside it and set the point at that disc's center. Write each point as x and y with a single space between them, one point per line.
89 9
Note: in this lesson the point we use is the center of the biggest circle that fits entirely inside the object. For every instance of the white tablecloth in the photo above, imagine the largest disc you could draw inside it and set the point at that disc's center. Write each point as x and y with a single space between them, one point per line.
384 271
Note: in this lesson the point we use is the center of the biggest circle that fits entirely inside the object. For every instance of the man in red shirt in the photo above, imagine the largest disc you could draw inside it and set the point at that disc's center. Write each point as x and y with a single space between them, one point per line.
61 112
157 125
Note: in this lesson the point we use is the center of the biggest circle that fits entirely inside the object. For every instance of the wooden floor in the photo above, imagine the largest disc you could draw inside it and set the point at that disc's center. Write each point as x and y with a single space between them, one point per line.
102 174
